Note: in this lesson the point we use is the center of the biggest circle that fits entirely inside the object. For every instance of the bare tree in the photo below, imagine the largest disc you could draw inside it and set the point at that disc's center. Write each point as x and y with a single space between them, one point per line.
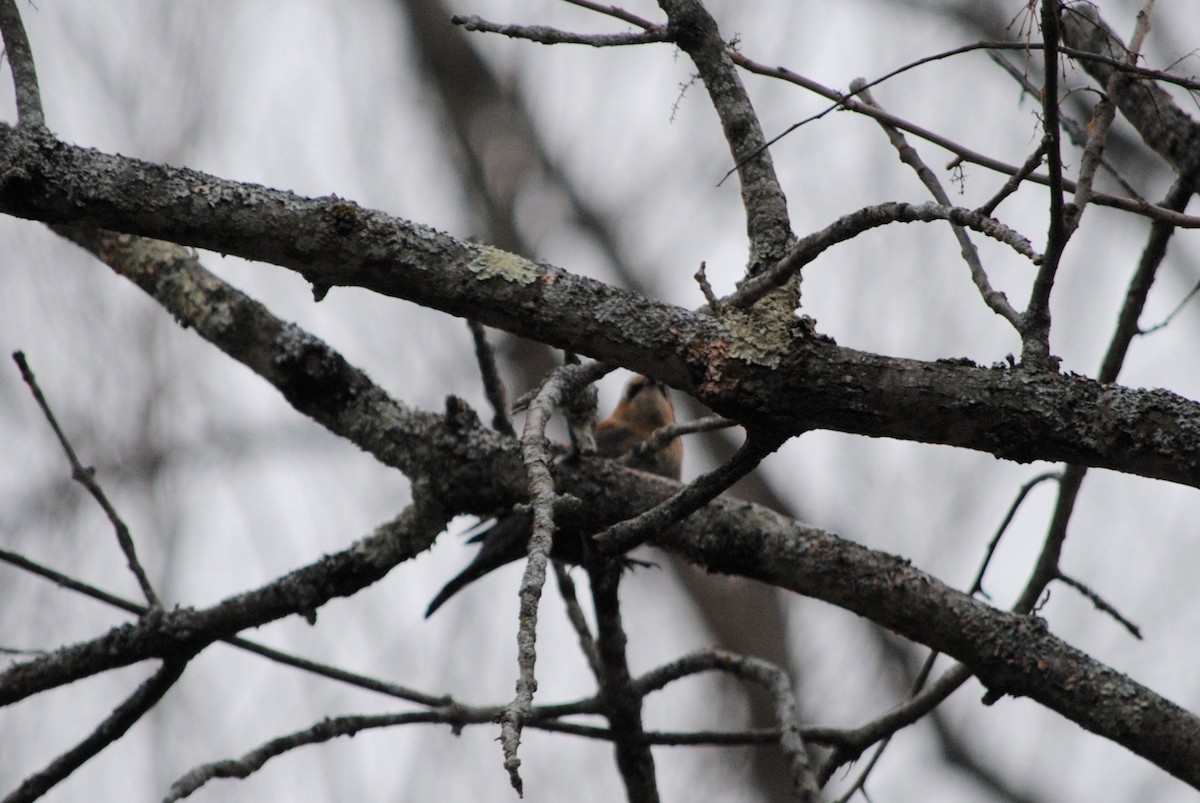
752 348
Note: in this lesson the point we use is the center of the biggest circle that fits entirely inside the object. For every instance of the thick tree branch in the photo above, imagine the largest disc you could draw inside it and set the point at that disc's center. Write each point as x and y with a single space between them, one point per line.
1166 128
793 384
1012 654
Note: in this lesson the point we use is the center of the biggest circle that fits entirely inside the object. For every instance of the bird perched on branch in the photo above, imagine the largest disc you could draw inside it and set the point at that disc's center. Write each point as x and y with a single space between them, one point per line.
645 406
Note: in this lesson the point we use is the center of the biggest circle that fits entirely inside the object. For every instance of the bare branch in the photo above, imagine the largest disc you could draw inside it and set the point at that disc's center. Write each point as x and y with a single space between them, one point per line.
1102 119
850 744
621 703
587 642
621 538
20 59
977 583
706 290
1102 605
87 478
694 30
1074 129
810 384
1014 181
775 681
1046 569
614 11
1053 674
855 223
323 731
1163 126
661 437
493 385
813 384
112 728
277 656
544 35
996 300
1035 324
535 449
963 153
185 632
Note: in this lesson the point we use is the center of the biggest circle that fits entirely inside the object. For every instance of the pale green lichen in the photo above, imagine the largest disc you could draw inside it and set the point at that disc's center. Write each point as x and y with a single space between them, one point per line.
762 333
493 263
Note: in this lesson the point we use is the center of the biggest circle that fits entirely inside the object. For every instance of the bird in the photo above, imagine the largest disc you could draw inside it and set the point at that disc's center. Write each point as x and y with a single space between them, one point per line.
645 406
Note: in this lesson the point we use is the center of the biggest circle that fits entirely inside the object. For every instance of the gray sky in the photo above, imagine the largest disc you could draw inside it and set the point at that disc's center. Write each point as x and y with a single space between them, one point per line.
225 487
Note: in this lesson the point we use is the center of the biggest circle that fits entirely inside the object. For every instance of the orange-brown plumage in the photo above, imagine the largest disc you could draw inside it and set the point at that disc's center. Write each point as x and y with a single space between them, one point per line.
645 406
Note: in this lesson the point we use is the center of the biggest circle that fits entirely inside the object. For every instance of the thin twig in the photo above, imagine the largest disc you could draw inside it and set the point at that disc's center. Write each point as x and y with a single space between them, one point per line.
921 700
1076 130
545 35
615 12
748 737
493 385
1166 321
626 535
543 718
535 449
1035 324
1102 119
995 299
301 591
963 153
804 786
1014 181
706 289
790 736
587 642
271 654
87 478
1024 47
664 435
1046 569
851 743
977 583
1102 605
850 226
323 731
1129 68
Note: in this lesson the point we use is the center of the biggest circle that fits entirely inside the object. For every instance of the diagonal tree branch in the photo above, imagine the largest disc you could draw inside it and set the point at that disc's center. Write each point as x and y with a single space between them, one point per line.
1011 654
182 633
695 31
1166 128
114 726
795 384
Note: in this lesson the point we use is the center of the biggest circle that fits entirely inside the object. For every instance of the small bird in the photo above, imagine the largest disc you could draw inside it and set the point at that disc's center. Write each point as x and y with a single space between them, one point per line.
645 406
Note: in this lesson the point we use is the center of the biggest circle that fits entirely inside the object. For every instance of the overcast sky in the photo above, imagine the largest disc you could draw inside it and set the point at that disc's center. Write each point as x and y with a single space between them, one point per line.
225 487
